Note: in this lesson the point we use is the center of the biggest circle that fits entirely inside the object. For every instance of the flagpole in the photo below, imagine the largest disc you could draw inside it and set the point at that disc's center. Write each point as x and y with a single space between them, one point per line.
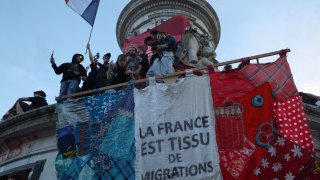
89 38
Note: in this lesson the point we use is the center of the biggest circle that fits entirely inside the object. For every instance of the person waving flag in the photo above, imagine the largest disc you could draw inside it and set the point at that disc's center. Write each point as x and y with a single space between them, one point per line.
87 9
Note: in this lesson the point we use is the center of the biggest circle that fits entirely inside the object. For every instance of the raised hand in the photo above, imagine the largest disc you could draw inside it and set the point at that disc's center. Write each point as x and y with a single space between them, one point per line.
52 59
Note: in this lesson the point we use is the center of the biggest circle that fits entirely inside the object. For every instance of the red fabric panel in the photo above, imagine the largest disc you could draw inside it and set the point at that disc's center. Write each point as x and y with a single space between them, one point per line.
253 119
253 116
278 74
174 26
285 160
293 122
229 86
229 127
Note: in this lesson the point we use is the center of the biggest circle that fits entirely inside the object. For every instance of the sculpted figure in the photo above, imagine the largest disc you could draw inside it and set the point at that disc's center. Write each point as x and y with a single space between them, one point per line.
195 50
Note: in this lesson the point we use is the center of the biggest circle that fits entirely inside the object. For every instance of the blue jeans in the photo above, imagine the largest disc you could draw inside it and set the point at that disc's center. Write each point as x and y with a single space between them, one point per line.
69 87
162 66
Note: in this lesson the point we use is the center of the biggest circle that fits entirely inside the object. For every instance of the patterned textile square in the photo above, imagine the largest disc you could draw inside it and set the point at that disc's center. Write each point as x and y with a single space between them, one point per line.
285 160
235 161
101 128
229 127
278 74
82 135
293 122
229 86
66 145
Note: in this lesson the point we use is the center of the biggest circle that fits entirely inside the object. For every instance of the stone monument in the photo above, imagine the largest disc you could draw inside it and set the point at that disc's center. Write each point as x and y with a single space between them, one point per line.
141 15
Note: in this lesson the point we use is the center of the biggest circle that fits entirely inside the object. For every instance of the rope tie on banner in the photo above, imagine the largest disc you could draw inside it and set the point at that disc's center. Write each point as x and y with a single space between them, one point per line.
283 53
244 62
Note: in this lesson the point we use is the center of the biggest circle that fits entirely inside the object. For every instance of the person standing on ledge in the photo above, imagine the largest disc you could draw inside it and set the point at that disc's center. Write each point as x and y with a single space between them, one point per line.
72 74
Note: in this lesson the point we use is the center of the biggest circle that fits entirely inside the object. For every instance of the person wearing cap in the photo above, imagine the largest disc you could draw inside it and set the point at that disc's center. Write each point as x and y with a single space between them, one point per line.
38 100
72 74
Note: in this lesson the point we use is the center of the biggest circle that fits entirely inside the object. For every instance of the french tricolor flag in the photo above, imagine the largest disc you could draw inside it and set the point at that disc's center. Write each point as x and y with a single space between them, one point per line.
87 9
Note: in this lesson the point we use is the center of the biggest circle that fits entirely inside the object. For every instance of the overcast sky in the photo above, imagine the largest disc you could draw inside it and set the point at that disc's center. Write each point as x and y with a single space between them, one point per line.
30 30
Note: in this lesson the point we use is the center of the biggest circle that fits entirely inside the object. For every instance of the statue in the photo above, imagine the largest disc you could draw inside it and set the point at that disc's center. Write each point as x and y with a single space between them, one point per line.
194 49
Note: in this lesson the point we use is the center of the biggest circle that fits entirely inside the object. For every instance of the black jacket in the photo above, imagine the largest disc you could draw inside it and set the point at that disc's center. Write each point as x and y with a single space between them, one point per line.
70 71
118 75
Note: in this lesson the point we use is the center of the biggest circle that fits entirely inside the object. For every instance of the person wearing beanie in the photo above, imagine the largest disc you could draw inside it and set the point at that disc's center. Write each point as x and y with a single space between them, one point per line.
72 74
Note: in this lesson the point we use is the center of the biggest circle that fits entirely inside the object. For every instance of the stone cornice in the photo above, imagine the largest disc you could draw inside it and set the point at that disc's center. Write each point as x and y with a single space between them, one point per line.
31 121
136 9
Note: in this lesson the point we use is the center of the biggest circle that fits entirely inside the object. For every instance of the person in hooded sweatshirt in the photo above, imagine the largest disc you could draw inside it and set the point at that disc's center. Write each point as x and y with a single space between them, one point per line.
72 74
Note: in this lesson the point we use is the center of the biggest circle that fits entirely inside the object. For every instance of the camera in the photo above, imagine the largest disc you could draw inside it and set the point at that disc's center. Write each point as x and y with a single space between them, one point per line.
97 56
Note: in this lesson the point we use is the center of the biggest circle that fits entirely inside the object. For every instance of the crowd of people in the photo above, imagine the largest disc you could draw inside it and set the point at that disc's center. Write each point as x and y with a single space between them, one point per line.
132 65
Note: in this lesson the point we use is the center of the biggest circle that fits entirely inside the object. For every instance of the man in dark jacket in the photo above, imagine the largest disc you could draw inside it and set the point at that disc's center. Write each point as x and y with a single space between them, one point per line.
20 106
72 74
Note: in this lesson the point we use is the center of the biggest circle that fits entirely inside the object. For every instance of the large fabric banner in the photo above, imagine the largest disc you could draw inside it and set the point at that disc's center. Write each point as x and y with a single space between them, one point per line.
175 131
95 137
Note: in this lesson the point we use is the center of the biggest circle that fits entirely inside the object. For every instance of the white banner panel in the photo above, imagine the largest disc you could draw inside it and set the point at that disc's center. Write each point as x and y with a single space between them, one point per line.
175 131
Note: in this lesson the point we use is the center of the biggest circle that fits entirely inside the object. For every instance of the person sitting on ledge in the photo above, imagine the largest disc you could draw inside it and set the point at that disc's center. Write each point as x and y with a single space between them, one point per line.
20 106
163 64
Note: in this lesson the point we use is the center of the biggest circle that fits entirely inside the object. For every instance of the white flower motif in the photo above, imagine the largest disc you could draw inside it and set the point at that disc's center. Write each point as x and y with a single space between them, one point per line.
256 171
277 167
301 168
272 151
289 176
281 141
296 151
287 157
264 163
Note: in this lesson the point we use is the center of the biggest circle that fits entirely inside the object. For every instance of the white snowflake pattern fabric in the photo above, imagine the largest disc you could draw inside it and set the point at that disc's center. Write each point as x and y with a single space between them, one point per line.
285 160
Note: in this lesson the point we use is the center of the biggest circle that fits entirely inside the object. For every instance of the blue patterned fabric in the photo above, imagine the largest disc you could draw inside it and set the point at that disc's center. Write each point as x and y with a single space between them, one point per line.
96 137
